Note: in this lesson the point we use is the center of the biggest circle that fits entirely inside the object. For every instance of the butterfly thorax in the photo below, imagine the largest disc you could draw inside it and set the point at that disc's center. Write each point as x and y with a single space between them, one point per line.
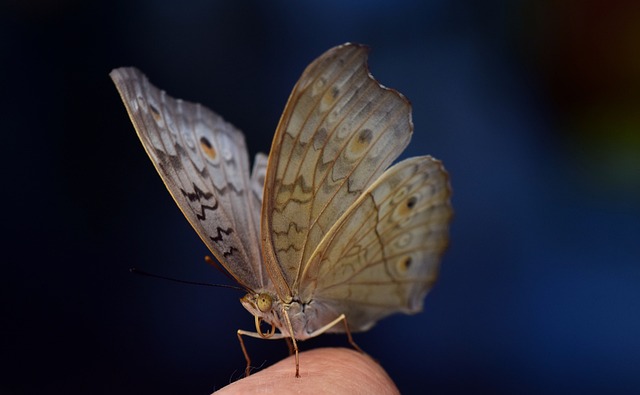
269 308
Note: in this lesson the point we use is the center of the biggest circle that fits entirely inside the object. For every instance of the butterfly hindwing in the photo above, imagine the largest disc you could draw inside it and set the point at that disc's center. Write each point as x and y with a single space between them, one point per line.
383 255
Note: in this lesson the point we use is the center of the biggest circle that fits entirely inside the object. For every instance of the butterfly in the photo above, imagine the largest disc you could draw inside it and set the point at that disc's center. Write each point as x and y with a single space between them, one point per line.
323 234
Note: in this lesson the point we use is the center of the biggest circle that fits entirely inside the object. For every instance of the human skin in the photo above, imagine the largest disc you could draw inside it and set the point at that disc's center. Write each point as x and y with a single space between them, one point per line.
322 371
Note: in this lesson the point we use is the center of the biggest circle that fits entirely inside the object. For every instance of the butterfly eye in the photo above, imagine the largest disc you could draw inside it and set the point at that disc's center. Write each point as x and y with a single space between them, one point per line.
207 148
264 302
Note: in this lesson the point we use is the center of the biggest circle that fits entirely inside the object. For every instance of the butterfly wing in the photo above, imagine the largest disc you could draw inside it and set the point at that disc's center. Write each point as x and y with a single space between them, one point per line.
203 161
258 175
383 255
339 131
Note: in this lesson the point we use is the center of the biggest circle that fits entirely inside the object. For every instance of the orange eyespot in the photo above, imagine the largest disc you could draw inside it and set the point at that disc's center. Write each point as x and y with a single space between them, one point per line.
404 264
365 136
404 210
155 113
360 143
207 148
411 202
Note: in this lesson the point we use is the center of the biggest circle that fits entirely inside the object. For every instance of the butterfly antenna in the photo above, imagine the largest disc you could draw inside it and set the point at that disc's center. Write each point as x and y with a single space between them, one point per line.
176 280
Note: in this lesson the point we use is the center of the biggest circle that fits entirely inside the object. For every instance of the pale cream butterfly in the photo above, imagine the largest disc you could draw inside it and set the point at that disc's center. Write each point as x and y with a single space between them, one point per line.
337 236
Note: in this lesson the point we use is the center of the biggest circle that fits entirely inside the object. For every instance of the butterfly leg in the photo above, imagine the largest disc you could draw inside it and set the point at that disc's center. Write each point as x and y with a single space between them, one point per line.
247 370
349 337
257 335
285 314
289 345
333 323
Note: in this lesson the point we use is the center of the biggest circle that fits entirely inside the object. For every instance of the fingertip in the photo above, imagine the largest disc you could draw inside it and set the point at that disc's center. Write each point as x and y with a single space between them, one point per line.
323 370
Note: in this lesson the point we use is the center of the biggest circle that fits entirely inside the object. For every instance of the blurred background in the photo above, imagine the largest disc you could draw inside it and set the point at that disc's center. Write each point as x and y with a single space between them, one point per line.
532 105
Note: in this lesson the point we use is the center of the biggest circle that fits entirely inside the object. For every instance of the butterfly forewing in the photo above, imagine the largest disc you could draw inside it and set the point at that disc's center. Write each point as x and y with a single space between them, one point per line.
383 255
257 183
339 131
204 163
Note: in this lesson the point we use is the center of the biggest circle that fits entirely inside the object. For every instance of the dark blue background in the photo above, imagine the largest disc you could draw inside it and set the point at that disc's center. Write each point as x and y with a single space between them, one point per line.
534 107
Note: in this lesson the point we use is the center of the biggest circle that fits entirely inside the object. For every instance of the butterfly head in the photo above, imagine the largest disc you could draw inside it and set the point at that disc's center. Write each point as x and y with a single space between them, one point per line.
262 306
